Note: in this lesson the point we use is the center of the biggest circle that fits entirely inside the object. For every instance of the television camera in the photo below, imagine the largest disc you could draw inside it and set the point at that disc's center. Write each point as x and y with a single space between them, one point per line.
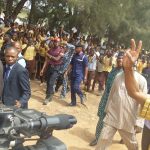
19 125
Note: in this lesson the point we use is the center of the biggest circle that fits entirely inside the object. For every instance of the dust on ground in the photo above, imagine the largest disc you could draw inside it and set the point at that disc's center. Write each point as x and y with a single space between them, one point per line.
78 137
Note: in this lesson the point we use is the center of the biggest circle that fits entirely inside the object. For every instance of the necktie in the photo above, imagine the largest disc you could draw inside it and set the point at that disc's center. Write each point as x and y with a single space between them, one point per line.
7 72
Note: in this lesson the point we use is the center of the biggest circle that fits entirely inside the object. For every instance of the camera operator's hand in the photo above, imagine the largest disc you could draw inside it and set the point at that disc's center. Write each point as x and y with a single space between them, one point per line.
18 104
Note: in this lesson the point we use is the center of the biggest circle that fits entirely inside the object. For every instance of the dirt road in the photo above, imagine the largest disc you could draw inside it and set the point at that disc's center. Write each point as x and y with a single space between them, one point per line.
79 137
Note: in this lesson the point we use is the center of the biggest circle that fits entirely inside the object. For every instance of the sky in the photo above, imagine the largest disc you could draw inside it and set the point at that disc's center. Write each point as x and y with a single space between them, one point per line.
28 4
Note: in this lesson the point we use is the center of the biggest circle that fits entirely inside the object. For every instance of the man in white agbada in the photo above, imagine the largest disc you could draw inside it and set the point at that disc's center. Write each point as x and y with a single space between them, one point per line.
121 114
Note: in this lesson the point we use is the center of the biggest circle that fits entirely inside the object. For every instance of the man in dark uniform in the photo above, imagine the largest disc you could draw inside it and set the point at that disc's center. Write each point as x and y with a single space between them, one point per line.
79 71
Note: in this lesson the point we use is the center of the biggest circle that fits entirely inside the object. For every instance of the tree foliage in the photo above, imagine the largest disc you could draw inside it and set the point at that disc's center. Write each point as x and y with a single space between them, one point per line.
12 8
120 19
1 5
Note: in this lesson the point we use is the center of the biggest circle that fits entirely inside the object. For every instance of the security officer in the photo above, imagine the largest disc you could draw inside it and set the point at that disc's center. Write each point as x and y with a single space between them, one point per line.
79 71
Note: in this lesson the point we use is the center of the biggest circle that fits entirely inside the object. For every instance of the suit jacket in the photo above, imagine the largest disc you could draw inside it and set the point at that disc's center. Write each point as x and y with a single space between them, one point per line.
1 79
17 87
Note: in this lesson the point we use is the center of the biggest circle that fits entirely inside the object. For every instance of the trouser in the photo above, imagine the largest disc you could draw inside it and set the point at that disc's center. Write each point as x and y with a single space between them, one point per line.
146 138
59 81
52 74
99 127
75 89
31 68
64 82
107 135
40 63
106 75
100 78
91 75
64 86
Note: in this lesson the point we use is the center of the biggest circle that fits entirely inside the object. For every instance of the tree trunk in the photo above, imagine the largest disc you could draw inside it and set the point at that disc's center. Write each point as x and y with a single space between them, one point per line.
32 11
18 9
9 7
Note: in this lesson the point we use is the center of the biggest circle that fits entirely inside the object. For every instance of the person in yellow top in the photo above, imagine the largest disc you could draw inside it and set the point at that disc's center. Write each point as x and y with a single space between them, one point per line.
107 61
30 52
42 37
41 55
29 55
107 64
24 43
133 90
1 37
43 49
1 41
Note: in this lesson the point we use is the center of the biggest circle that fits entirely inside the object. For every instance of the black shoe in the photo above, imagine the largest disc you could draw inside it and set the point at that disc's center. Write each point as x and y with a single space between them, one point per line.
93 143
47 99
71 104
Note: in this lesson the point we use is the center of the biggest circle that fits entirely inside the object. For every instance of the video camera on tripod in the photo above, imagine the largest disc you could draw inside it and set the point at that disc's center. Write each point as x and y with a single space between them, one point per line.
18 124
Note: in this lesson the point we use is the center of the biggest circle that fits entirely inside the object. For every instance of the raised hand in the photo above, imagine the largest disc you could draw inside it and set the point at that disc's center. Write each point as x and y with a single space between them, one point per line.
132 54
18 104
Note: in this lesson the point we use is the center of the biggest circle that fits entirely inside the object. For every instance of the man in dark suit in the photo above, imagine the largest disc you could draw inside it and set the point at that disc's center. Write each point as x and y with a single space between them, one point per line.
16 91
1 79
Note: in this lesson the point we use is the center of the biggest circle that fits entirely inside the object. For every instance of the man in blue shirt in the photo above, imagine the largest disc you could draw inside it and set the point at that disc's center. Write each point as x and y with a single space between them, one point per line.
79 71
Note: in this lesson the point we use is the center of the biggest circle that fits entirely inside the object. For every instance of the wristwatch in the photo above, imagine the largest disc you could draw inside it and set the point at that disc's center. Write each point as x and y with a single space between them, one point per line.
145 112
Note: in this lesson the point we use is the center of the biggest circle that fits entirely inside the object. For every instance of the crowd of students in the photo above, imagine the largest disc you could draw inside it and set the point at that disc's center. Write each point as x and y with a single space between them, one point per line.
59 57
35 43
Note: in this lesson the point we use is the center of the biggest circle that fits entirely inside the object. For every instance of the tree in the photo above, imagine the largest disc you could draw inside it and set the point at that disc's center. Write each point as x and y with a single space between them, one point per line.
1 5
135 23
118 19
13 8
17 9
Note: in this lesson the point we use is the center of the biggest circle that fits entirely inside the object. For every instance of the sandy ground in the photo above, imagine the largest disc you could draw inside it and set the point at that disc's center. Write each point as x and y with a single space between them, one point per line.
78 137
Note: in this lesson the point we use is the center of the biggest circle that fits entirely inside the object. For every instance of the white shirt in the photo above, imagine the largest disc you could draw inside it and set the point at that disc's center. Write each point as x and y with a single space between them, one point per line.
22 61
92 64
97 53
121 109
